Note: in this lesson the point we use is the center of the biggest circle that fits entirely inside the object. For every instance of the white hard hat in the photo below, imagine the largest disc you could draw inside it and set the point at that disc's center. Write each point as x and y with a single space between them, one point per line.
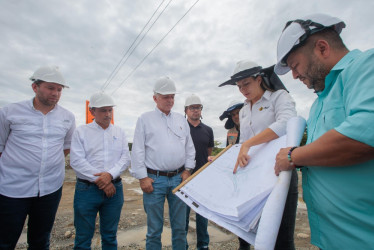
101 99
297 31
49 74
243 69
192 100
165 86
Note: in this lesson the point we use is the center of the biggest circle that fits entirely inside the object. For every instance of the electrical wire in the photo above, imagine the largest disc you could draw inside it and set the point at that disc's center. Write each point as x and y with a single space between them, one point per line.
121 62
146 56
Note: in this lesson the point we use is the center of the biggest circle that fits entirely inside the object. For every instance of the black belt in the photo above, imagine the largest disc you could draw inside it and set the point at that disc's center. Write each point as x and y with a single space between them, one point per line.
165 173
92 183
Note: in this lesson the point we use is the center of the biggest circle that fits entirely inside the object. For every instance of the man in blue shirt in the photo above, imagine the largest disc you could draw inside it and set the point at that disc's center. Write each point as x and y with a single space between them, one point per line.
338 158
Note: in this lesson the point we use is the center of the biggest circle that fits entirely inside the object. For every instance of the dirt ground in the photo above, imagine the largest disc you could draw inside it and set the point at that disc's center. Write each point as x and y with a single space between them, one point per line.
132 226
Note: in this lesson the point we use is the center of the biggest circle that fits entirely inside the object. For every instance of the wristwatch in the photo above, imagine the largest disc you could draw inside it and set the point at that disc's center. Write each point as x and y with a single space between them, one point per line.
189 170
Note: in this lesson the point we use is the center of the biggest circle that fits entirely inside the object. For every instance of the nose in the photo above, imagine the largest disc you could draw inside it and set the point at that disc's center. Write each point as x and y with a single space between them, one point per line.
295 74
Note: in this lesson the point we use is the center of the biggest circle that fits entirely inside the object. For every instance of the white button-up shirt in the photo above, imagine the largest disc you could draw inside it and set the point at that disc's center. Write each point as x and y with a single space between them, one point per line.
272 110
32 161
161 142
95 150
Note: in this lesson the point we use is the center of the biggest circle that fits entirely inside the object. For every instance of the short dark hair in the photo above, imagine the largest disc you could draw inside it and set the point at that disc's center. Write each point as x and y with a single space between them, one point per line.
38 82
331 36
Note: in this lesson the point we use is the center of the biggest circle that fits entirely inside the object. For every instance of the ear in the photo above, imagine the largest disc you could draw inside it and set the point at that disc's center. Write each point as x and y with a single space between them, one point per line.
92 112
322 48
34 87
155 98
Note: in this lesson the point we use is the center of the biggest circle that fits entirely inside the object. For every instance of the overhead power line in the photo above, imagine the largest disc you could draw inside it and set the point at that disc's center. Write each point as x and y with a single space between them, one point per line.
146 56
122 62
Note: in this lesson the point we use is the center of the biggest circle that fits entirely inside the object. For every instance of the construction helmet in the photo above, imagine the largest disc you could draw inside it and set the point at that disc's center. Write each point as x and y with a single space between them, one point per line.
298 31
101 99
192 100
243 69
164 86
49 74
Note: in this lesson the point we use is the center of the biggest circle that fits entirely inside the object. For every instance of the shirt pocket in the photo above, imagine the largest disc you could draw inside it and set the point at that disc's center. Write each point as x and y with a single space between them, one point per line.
333 117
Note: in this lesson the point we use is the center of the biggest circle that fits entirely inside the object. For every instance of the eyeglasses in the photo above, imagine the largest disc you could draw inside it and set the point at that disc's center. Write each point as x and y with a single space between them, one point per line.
192 108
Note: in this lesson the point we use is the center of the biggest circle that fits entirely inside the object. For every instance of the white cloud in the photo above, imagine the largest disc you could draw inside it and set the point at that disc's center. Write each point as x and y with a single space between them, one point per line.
86 39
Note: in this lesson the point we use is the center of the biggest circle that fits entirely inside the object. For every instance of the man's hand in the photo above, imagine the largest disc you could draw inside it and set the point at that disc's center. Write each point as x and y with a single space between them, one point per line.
146 184
243 157
281 161
109 190
104 179
185 174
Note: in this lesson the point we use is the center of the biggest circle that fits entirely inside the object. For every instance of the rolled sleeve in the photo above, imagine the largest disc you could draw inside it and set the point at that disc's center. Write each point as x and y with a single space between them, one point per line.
284 109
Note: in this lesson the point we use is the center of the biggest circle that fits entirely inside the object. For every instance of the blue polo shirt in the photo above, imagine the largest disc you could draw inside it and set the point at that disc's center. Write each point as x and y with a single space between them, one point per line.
340 200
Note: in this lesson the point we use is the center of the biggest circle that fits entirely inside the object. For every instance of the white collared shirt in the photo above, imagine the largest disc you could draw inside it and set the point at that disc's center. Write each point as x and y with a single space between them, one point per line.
161 142
32 161
95 150
273 111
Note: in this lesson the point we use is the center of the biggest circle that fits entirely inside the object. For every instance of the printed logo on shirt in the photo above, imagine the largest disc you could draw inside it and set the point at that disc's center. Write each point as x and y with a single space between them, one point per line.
262 108
67 121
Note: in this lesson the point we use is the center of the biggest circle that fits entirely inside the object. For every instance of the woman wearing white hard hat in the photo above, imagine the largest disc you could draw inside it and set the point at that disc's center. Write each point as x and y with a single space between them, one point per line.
263 118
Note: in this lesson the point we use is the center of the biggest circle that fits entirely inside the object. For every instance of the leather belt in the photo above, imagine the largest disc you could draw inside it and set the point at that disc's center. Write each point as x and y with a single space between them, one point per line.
165 173
92 183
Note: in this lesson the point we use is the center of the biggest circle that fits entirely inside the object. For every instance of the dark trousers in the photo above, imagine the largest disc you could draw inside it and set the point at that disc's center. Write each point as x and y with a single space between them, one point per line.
41 212
285 238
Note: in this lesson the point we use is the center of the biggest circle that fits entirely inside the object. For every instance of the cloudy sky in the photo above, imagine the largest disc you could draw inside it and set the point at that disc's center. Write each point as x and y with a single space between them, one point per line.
87 39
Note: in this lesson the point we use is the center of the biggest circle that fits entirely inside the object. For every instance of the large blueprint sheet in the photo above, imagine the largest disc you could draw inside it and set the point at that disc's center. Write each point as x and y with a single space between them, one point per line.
238 201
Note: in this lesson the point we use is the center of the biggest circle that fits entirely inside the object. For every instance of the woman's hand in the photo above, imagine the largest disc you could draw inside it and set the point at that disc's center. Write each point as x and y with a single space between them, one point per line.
243 157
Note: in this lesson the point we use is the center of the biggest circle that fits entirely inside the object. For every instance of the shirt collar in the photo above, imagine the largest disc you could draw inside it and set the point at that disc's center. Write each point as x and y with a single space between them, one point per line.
265 96
31 105
162 113
94 123
341 65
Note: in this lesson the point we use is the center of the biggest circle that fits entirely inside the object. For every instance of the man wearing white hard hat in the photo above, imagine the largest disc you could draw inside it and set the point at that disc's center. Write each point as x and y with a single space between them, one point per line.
263 118
338 159
203 140
99 155
162 157
35 137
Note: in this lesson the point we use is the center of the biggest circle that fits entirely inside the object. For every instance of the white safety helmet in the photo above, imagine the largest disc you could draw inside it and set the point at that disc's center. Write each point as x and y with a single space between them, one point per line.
101 99
192 100
243 69
164 86
49 74
297 31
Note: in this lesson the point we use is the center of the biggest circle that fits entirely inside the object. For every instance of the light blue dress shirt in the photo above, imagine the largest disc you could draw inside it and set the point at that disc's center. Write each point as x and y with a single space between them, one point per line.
340 200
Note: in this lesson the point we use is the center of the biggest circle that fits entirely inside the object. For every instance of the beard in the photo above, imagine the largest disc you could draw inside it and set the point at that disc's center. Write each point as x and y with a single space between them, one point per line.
316 74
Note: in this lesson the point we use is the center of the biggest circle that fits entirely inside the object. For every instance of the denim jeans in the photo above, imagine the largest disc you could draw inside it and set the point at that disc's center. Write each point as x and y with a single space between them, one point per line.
154 207
285 239
201 230
41 212
90 200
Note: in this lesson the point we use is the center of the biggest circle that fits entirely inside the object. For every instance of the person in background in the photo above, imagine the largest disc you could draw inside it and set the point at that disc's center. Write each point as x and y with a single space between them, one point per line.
99 154
263 118
163 155
338 158
203 140
232 123
35 137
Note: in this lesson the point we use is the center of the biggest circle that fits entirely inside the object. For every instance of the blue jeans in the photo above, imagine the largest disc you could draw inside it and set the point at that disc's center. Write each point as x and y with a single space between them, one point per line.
201 230
154 207
90 200
41 212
